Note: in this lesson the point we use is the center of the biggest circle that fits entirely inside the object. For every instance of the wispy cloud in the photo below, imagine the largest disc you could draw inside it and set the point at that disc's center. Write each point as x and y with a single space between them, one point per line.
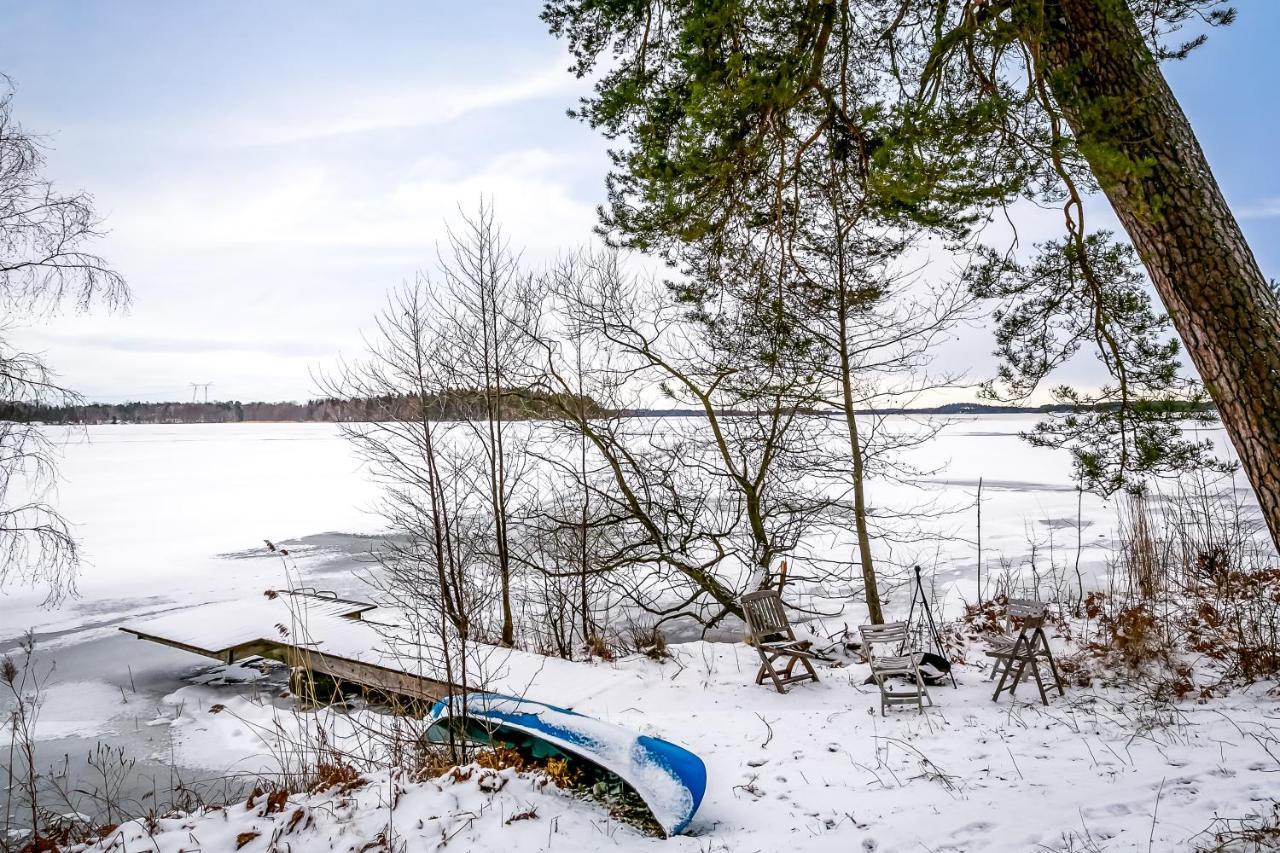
317 207
1265 209
336 113
174 344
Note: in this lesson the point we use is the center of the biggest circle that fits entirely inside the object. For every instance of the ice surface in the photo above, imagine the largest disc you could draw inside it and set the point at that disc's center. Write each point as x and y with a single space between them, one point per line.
74 708
157 508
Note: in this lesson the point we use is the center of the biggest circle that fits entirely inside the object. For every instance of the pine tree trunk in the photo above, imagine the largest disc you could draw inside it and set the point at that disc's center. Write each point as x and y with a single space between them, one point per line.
1147 160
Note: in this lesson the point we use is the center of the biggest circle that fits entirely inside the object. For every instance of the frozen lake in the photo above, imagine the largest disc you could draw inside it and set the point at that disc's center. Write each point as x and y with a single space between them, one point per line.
171 516
174 515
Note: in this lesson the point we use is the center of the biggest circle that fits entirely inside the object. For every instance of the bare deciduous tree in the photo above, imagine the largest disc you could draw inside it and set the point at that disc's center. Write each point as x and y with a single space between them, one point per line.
703 508
43 266
485 298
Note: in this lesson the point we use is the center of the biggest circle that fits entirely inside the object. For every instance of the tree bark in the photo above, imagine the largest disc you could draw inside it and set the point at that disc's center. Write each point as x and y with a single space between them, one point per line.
1146 158
870 586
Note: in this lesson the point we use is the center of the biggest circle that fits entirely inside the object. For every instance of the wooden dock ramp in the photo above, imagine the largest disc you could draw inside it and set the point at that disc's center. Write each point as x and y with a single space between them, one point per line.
322 634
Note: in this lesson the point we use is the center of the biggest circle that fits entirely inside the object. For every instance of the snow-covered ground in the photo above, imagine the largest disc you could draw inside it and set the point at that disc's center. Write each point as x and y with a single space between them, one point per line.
172 516
817 769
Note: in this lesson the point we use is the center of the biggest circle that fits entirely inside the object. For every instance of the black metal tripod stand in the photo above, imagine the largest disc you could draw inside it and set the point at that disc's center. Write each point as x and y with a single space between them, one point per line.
918 594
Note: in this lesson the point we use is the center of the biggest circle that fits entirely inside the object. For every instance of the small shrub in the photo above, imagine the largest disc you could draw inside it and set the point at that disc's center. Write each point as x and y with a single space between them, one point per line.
530 813
986 617
1234 618
1075 669
650 642
562 773
1134 634
598 647
500 758
335 774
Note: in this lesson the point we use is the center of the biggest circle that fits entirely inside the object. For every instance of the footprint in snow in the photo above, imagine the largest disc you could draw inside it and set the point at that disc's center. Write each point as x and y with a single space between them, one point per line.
1110 810
978 827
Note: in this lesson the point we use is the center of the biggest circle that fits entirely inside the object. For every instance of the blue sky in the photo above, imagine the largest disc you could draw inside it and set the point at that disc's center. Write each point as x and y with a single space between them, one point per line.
269 170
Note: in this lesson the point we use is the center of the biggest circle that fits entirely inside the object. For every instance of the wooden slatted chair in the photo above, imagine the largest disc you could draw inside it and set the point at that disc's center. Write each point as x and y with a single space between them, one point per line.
1016 611
769 630
1029 648
900 660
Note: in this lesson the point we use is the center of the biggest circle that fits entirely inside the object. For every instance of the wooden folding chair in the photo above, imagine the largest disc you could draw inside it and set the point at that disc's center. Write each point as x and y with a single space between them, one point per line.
769 630
1016 611
1029 648
901 661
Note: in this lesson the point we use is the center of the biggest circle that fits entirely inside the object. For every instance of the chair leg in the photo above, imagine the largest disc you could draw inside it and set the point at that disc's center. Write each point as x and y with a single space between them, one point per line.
1035 671
1053 669
995 669
766 668
995 697
1041 647
922 692
808 665
773 673
1018 676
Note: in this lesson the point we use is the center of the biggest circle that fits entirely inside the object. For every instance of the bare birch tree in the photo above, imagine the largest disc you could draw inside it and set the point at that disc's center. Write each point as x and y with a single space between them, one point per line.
44 265
485 297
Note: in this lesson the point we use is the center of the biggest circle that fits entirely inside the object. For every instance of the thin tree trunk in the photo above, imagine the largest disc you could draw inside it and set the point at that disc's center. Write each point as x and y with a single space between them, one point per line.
872 592
871 589
455 613
980 596
583 565
1148 161
498 474
492 373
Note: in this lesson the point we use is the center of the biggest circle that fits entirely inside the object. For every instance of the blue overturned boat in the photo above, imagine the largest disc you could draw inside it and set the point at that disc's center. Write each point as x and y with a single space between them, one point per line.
668 779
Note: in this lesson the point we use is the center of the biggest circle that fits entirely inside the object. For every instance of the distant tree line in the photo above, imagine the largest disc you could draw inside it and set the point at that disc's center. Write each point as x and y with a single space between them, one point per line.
460 404
521 404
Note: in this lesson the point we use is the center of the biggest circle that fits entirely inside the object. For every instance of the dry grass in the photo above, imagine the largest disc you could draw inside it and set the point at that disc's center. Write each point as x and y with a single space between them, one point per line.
1254 834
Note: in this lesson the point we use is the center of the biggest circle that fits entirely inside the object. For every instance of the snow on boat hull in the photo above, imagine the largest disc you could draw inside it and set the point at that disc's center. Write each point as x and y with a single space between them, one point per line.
668 778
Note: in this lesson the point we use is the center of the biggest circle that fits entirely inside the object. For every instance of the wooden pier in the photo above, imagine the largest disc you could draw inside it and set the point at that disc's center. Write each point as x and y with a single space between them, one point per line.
321 634
312 632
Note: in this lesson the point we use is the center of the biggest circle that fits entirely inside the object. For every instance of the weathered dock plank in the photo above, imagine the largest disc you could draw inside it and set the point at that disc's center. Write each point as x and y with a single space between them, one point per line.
331 637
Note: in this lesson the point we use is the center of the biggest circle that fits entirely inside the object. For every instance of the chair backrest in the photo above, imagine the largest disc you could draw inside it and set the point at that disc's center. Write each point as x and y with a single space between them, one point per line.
1020 609
890 633
764 614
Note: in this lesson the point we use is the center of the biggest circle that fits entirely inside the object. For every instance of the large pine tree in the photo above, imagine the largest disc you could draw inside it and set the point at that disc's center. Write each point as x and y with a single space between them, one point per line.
953 109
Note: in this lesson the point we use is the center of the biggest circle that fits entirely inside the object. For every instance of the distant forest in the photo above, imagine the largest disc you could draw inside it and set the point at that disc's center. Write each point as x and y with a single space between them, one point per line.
455 405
